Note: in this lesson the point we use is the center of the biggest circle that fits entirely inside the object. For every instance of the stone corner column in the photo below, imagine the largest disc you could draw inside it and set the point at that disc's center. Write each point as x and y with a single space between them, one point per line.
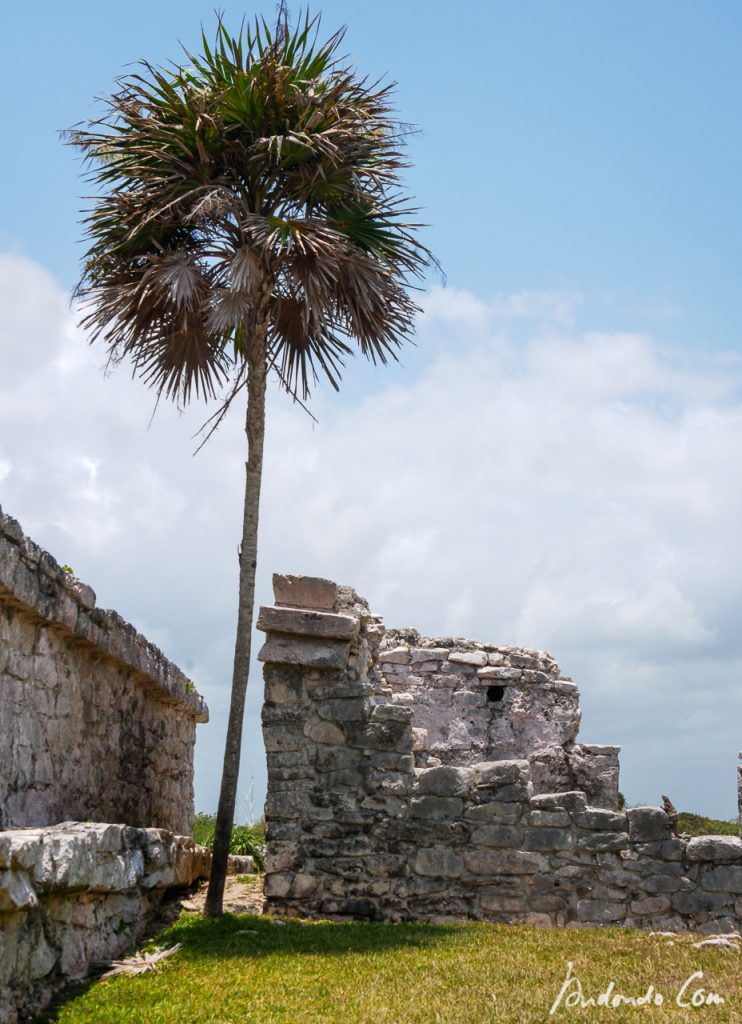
303 627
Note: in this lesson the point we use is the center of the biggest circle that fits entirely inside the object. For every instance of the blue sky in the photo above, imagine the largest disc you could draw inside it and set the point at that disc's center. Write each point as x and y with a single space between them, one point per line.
579 166
569 145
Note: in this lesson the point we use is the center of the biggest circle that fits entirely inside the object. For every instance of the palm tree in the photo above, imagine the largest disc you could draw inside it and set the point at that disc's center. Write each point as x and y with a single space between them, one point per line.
247 219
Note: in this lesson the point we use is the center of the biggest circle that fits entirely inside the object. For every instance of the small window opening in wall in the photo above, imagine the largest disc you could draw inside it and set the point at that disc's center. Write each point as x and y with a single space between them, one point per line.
495 694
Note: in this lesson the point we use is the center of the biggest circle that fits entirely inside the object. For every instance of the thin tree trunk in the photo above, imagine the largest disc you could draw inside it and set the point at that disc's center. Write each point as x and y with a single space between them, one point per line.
255 429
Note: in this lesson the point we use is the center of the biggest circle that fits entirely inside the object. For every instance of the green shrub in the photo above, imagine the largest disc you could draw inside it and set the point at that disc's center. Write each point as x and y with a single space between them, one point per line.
247 840
698 825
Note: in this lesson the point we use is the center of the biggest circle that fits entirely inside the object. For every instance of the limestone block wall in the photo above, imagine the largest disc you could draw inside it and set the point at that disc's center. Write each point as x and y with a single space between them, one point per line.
79 892
372 811
95 723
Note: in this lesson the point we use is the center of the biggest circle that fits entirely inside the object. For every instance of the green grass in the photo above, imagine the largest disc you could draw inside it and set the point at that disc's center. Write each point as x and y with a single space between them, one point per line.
248 970
698 825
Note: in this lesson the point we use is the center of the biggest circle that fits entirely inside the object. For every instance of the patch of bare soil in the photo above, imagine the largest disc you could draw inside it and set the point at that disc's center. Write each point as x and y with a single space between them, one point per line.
240 896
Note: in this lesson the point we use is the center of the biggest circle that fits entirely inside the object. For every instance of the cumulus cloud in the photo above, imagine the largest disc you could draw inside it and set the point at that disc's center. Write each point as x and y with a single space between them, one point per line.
533 483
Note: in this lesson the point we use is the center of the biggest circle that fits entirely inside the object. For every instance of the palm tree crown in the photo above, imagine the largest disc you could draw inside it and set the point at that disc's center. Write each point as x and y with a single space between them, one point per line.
257 185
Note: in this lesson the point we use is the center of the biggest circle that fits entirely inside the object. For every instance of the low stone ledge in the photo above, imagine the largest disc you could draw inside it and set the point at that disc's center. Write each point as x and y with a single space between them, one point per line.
78 892
98 857
31 579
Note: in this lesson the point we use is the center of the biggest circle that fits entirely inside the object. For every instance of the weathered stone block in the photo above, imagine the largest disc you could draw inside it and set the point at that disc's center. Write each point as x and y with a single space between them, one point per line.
605 842
601 819
548 839
438 862
666 883
279 690
502 904
724 878
285 649
474 658
331 759
498 774
16 892
698 903
322 732
395 656
391 713
389 761
493 811
599 912
422 654
498 835
305 592
278 884
504 673
419 740
436 808
303 622
379 734
504 862
292 803
549 819
443 781
648 824
719 849
649 906
280 739
514 794
570 801
353 709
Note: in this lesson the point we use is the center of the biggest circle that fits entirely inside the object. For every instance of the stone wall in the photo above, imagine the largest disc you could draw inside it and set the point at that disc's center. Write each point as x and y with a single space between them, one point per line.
95 723
478 702
79 892
412 778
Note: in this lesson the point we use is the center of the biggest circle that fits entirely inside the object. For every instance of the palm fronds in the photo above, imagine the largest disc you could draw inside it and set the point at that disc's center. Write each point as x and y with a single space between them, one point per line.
256 183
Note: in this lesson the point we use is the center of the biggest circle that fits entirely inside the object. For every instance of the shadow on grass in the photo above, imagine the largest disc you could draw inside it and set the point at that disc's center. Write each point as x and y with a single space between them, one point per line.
249 937
243 935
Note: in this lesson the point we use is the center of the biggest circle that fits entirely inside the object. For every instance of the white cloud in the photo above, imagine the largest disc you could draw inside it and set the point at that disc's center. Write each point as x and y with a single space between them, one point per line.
572 490
554 307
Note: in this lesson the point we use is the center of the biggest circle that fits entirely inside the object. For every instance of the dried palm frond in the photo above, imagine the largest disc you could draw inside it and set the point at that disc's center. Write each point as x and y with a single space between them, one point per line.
139 963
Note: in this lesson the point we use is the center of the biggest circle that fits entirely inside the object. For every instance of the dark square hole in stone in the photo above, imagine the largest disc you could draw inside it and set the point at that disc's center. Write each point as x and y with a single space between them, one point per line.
495 694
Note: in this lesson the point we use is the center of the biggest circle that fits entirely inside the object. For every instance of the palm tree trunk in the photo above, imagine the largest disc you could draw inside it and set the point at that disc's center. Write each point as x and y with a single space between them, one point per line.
255 429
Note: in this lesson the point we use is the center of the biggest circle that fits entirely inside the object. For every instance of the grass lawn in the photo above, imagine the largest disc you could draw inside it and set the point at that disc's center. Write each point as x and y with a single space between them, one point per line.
248 969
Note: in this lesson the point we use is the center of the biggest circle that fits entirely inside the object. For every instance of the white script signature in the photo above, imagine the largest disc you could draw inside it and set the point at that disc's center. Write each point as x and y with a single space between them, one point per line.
690 994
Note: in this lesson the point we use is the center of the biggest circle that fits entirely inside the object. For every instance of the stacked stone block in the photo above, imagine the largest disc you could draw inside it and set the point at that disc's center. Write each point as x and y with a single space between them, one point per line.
373 812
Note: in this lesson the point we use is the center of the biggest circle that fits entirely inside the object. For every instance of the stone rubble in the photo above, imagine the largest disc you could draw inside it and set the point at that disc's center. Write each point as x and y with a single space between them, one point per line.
414 778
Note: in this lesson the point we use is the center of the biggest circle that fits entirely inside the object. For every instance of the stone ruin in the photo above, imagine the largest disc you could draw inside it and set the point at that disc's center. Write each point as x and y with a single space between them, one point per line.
97 730
418 778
